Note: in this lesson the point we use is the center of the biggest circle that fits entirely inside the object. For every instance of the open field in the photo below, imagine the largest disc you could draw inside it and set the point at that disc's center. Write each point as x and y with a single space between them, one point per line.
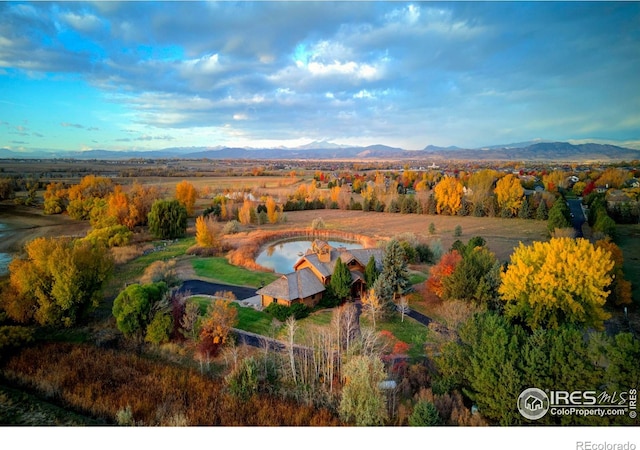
24 223
502 235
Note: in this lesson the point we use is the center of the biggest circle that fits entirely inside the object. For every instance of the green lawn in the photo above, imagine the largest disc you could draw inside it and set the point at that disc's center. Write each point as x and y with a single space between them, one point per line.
417 277
409 331
218 268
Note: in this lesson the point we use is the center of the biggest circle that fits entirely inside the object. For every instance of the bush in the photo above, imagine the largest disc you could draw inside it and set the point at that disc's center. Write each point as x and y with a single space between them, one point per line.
282 312
318 224
458 231
424 253
231 227
425 414
160 328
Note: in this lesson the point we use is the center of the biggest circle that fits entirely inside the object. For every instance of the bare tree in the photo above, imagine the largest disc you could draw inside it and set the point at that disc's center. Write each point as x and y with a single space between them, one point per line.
350 323
403 307
291 326
189 320
373 304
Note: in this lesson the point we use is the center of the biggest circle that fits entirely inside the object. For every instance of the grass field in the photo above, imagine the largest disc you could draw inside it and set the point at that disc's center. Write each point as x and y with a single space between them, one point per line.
132 270
502 235
219 269
19 408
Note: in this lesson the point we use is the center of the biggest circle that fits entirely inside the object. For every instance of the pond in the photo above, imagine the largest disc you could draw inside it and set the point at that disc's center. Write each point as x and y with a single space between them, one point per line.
282 256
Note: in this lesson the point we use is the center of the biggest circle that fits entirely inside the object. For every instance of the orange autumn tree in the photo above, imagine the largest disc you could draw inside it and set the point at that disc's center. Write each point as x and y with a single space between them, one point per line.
442 270
448 194
221 317
186 194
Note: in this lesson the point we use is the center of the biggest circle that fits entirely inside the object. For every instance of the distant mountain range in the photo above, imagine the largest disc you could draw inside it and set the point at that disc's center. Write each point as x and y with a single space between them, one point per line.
538 150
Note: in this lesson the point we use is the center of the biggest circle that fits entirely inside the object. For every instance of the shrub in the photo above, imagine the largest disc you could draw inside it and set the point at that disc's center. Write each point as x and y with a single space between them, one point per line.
160 328
424 253
458 231
231 227
425 414
282 312
318 224
160 271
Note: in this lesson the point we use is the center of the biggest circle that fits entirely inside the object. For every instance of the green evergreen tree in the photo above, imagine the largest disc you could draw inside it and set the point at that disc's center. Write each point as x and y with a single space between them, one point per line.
542 213
558 216
525 209
371 272
394 269
425 414
341 280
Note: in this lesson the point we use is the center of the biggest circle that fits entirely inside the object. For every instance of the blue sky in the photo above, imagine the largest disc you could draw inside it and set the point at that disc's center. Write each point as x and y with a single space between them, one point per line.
138 75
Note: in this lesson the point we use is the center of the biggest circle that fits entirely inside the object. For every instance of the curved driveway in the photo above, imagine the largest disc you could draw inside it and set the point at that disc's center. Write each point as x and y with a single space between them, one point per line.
198 287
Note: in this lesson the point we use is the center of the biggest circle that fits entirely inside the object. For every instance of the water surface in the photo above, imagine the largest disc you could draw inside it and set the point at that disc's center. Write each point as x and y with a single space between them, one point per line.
282 256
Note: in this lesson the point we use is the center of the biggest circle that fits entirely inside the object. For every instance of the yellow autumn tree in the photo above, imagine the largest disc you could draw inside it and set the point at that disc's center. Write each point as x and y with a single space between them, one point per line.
448 194
247 213
561 281
273 215
186 194
509 193
480 185
208 233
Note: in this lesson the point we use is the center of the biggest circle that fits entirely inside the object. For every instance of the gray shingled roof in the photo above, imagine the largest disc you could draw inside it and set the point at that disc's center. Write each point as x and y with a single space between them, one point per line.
300 284
362 255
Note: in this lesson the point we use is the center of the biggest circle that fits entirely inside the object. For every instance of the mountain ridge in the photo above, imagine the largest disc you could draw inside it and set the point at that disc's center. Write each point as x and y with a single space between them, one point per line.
529 151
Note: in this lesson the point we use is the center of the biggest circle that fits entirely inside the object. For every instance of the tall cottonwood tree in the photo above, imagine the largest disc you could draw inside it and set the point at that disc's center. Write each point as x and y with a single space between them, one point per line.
509 193
448 195
560 281
187 194
57 281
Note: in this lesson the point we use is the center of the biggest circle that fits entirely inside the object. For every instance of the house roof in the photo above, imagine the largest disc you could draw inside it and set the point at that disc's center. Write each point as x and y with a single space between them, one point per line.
361 255
300 284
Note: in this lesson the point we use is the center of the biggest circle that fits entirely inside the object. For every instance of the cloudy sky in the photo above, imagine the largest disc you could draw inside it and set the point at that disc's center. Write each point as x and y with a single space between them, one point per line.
137 75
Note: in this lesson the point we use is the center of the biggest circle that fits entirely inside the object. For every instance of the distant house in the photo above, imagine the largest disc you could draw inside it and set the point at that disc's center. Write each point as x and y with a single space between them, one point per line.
312 273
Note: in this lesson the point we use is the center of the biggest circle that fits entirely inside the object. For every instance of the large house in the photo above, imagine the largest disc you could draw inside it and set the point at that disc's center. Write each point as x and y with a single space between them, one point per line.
312 273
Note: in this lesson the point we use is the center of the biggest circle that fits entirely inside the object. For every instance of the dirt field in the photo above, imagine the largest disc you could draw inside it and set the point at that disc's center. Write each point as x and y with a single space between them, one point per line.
502 235
22 224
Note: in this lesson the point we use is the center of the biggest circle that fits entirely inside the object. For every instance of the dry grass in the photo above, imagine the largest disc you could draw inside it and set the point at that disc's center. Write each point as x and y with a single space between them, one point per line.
502 235
102 382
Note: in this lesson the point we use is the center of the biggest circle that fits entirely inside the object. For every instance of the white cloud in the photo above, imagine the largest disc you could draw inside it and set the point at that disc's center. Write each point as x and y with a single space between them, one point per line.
86 23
